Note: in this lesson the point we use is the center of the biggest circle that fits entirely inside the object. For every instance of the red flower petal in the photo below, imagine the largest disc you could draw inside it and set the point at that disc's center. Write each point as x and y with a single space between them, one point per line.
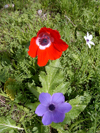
33 48
42 57
60 45
53 53
53 33
44 50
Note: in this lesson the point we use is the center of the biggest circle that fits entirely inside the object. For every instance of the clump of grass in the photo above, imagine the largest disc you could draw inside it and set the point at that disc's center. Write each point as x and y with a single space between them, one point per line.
79 63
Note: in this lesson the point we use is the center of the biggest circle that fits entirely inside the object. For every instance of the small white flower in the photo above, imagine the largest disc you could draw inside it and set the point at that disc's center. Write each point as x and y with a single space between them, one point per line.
88 39
13 5
40 12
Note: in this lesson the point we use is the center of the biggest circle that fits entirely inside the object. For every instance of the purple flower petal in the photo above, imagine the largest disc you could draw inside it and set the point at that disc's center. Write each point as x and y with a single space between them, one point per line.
58 117
45 98
47 118
58 98
52 108
41 109
64 107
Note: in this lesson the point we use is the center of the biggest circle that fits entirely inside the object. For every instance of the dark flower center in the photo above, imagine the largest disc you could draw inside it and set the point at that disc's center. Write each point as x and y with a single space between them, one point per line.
51 107
87 40
44 40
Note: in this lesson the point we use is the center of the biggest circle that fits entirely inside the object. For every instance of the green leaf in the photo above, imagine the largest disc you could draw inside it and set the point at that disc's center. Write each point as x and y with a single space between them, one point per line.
3 76
10 88
32 106
8 125
33 89
40 129
78 105
59 127
61 88
23 108
52 80
11 131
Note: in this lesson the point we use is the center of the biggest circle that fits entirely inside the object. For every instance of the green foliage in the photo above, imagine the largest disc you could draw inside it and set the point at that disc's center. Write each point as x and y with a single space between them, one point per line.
52 79
10 88
8 125
78 105
40 129
76 74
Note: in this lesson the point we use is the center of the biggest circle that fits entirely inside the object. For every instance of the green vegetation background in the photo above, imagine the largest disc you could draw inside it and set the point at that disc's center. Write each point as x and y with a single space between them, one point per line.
20 75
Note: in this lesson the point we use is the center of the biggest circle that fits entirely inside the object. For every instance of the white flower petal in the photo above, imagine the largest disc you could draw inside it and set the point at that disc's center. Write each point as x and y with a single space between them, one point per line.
90 37
91 43
87 34
40 46
85 37
87 41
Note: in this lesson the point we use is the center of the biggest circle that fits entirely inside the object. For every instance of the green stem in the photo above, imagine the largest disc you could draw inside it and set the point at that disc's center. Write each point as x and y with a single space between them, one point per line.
24 127
49 129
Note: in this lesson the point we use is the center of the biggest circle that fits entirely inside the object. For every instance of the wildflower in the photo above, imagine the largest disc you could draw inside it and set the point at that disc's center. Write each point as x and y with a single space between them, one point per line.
6 6
88 39
47 45
52 108
40 12
13 5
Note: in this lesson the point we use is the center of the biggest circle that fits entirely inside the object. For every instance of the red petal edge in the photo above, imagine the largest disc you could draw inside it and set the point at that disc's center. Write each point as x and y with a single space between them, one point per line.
60 45
53 33
53 53
33 48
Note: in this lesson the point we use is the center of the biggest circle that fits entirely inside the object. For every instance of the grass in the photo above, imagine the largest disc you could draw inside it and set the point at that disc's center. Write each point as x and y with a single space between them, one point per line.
19 73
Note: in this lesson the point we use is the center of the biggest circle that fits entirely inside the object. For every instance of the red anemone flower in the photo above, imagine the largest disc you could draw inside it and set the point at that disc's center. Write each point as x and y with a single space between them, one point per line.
47 45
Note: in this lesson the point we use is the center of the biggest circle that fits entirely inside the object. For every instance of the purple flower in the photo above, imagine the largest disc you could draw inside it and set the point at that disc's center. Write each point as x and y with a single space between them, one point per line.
52 108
